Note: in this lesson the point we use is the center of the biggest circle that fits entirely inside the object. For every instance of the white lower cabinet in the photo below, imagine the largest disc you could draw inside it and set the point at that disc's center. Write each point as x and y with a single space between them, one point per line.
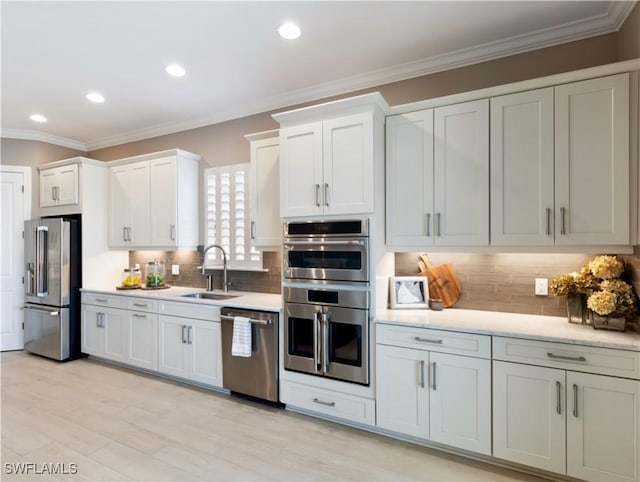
432 395
579 424
104 332
190 349
142 339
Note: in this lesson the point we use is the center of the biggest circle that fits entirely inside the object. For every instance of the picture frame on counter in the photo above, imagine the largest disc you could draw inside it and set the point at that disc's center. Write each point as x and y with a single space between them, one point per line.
409 292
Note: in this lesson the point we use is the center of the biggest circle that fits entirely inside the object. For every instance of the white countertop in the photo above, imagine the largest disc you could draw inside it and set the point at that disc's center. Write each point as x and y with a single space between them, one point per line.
243 299
546 328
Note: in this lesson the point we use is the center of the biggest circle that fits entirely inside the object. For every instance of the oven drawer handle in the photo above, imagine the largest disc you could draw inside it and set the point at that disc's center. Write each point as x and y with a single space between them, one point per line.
41 310
564 357
346 242
268 321
328 404
427 340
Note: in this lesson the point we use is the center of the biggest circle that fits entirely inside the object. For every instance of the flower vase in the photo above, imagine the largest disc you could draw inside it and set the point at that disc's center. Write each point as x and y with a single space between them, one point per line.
615 323
576 308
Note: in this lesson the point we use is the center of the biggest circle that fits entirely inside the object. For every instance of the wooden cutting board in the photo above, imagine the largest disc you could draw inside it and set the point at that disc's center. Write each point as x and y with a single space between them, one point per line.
444 283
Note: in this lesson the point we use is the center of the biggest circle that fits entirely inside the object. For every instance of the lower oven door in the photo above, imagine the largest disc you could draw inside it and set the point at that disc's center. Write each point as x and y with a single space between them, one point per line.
327 341
302 338
345 352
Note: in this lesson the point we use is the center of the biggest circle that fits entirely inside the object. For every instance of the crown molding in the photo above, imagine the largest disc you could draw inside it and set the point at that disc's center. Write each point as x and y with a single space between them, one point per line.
609 22
29 135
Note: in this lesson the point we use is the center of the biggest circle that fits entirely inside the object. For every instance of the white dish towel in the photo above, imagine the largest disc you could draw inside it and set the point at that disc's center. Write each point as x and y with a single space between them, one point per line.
241 341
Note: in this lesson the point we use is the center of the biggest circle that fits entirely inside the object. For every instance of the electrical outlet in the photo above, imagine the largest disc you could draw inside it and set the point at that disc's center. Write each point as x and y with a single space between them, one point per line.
542 287
175 269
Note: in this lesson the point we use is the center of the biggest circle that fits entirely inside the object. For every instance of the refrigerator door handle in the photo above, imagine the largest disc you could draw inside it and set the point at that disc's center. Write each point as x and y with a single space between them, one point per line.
31 286
42 262
41 310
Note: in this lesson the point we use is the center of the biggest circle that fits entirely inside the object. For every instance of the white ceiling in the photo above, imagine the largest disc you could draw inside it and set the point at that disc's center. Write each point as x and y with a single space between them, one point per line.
54 53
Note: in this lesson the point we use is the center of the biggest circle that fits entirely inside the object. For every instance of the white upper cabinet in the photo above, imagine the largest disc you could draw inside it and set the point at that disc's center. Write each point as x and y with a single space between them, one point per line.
153 201
522 200
560 165
461 174
410 179
592 161
328 155
59 186
266 230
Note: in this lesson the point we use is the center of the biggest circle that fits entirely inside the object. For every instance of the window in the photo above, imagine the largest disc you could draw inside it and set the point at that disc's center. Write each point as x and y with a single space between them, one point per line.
227 220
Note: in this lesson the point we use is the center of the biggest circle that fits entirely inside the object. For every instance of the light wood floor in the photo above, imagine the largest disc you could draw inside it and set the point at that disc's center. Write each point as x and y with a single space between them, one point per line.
120 425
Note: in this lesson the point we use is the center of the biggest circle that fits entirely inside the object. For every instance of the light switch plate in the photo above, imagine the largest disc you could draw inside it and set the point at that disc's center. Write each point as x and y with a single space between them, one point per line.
175 269
542 287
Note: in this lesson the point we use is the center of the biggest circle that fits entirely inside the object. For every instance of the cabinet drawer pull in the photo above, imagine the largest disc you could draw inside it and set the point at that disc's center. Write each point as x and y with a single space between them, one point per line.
328 404
558 398
421 373
427 340
138 315
575 400
142 305
564 357
102 300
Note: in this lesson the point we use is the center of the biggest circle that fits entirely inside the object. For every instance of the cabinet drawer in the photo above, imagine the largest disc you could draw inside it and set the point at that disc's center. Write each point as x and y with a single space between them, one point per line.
100 299
434 340
604 361
200 311
142 304
339 405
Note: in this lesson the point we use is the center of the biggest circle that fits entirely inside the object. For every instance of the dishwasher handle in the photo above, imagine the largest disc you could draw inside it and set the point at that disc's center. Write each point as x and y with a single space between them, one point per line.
266 322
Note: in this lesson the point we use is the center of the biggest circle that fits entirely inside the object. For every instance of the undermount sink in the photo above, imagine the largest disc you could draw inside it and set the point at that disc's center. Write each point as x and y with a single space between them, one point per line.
210 296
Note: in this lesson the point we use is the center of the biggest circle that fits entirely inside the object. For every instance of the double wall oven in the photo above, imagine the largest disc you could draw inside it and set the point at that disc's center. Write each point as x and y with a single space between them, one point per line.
326 293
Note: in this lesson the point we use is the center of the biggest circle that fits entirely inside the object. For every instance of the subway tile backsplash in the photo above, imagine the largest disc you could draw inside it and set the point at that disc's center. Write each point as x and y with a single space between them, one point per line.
190 275
505 282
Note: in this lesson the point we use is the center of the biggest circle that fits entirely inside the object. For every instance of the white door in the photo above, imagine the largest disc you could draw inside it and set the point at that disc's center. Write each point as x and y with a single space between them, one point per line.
529 415
461 174
15 208
460 402
592 161
409 168
522 200
172 355
140 199
603 427
266 230
205 341
92 341
48 185
301 181
67 185
119 210
348 164
164 203
114 331
142 340
402 391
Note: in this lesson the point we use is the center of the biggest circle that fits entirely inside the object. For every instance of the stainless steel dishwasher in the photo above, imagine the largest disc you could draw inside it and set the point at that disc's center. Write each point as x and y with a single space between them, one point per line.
256 375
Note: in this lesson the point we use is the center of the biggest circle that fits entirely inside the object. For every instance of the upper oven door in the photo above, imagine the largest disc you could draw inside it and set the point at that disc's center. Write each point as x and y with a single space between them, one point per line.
333 259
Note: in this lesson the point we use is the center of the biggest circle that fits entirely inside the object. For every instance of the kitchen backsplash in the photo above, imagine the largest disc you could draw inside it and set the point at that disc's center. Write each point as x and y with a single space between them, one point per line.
505 282
190 275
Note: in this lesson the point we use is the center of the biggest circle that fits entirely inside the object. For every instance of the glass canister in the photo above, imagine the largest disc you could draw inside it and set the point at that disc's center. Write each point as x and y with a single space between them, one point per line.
131 277
154 274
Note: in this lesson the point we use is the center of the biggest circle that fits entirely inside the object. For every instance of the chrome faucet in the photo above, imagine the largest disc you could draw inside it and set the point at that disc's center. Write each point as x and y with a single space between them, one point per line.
225 283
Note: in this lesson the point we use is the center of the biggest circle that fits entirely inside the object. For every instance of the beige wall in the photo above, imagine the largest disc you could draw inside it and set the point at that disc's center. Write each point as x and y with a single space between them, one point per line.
629 36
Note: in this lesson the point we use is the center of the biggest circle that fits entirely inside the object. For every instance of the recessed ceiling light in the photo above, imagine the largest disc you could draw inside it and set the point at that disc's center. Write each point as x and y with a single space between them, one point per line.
38 118
289 31
95 97
175 70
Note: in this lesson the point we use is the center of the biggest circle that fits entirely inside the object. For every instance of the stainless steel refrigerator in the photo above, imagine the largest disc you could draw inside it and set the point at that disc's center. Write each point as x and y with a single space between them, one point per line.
52 282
